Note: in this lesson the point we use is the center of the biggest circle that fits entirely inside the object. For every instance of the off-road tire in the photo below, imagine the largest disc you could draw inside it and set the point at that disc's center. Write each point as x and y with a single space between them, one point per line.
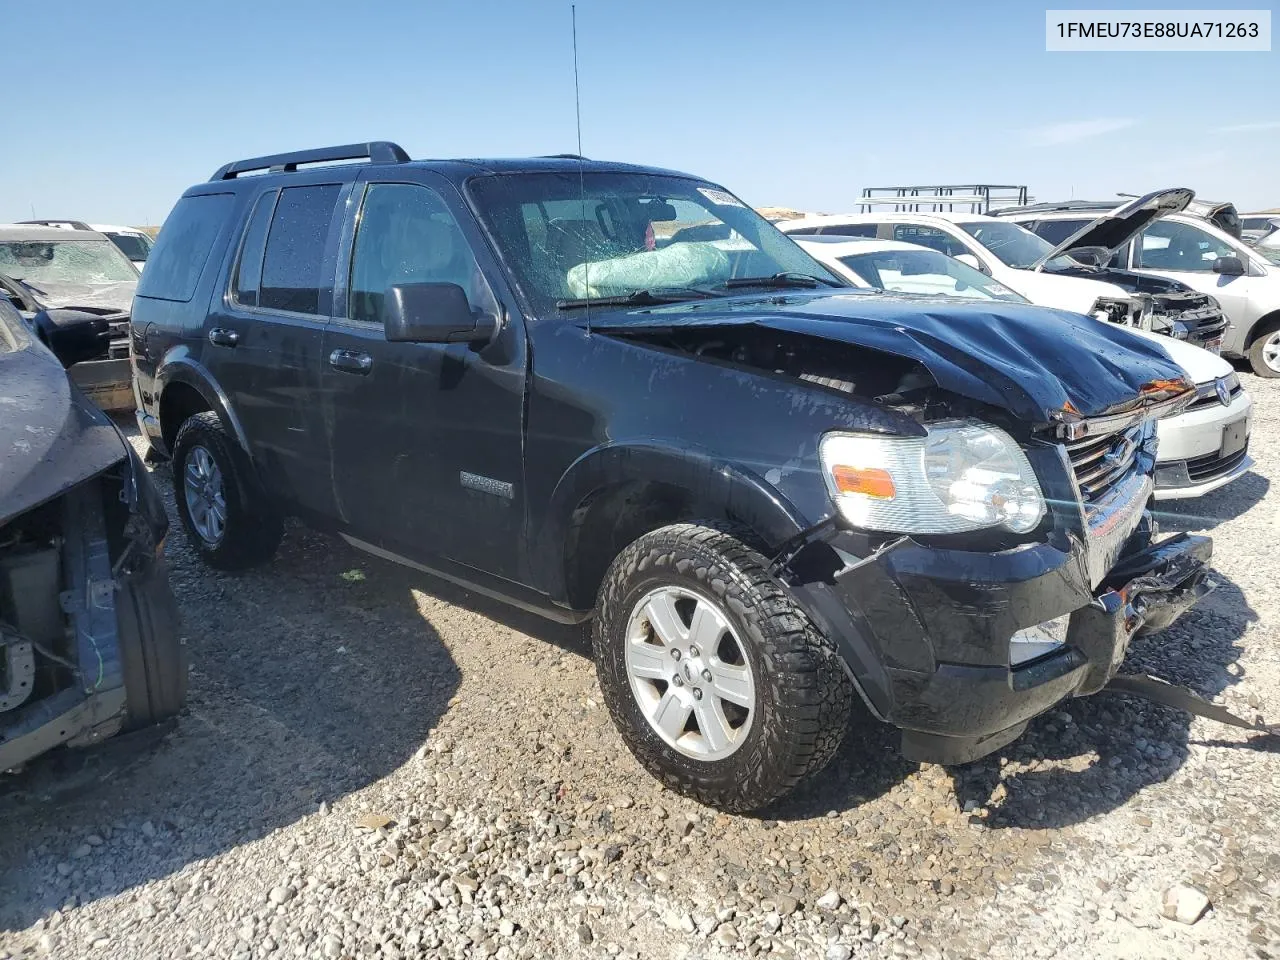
152 653
254 527
804 697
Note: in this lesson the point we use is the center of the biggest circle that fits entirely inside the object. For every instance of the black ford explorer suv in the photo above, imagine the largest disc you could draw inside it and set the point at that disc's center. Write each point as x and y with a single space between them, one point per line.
601 390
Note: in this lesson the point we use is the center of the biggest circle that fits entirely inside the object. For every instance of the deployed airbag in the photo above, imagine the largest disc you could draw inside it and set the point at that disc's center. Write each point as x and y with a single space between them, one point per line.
678 265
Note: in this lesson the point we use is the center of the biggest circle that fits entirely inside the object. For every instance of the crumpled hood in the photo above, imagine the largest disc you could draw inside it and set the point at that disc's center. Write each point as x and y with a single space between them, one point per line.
51 437
116 295
1040 364
1115 228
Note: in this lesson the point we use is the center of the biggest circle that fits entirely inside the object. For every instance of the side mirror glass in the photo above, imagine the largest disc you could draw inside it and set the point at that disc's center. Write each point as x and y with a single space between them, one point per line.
433 313
970 260
1229 266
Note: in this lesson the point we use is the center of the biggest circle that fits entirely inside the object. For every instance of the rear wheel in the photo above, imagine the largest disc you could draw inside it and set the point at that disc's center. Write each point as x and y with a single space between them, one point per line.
1264 353
719 684
223 507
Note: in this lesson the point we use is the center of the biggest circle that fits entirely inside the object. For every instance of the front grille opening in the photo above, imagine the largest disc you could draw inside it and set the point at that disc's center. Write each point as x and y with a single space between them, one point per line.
1208 397
1100 463
1213 465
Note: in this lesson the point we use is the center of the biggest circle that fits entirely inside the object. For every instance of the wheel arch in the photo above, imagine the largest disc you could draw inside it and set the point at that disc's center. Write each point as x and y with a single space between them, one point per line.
1267 323
616 493
186 387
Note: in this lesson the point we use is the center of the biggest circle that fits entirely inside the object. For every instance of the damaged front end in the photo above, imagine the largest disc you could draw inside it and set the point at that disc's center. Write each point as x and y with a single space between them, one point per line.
961 647
987 549
85 606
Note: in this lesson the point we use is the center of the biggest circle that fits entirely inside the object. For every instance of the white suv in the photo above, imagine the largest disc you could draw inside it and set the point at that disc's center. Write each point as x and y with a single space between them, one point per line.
1201 449
1068 276
1194 251
132 242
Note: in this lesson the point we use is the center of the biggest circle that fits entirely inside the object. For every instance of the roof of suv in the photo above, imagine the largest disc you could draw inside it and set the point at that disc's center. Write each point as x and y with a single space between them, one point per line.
21 233
385 153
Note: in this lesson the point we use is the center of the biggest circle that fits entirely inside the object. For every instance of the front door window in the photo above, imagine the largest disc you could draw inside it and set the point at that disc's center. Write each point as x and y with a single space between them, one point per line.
1167 245
406 234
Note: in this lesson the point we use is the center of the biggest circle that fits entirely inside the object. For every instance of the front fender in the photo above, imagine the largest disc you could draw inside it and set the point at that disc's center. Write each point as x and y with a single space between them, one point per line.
715 487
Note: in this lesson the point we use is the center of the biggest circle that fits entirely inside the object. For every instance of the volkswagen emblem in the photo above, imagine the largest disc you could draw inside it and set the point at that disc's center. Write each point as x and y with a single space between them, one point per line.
1223 391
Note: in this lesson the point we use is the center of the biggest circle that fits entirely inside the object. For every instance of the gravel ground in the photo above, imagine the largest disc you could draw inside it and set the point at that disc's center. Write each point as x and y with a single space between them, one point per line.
376 763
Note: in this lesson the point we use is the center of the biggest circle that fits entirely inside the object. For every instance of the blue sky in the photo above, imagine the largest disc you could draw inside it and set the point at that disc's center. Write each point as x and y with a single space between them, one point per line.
115 109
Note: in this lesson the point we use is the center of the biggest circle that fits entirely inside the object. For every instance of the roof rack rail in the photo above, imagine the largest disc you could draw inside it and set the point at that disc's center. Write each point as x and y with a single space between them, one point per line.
73 224
375 151
563 156
944 197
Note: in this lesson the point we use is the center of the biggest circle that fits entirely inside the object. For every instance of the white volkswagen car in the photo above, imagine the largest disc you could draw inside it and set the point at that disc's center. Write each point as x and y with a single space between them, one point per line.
1201 449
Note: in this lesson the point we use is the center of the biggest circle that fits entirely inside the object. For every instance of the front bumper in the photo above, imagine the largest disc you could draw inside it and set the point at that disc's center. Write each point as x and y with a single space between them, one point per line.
1204 448
925 632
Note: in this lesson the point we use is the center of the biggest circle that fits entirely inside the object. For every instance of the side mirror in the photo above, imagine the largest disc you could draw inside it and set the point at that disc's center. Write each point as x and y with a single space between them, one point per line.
969 260
1229 266
433 313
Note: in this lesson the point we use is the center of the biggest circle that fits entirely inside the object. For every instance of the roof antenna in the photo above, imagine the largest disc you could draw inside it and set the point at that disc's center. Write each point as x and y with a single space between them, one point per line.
582 188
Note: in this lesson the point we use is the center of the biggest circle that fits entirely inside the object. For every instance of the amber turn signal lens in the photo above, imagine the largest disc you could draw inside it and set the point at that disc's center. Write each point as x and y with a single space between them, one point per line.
869 481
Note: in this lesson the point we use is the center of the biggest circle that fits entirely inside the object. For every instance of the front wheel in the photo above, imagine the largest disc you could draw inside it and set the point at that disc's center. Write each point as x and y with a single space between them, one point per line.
1264 354
719 684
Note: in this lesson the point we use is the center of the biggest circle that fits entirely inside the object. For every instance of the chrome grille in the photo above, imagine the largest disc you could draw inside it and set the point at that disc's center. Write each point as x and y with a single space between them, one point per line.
1100 463
1207 393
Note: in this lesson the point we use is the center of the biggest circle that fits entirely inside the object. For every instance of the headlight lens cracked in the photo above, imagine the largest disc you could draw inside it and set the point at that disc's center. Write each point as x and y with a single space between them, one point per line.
964 475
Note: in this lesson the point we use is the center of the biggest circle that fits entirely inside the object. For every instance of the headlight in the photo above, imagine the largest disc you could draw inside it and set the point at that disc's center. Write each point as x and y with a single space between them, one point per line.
964 475
1112 310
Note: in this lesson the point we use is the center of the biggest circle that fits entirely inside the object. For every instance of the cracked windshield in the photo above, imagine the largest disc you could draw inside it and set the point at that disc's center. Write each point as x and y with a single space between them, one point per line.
64 261
605 235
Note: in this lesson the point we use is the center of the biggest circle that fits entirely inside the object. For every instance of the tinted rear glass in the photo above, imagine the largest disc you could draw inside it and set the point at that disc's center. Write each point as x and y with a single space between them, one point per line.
1055 231
292 270
131 245
178 258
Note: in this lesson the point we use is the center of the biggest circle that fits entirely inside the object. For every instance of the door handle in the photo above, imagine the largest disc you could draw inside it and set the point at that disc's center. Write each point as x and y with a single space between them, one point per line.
221 337
348 361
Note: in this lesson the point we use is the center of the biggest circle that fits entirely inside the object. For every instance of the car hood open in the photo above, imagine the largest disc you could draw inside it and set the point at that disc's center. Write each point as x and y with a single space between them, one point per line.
1041 365
1115 228
51 436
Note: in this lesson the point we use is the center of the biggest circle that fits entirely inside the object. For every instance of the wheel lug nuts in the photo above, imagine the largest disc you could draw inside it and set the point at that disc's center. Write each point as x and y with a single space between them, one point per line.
675 654
697 693
676 681
706 675
693 651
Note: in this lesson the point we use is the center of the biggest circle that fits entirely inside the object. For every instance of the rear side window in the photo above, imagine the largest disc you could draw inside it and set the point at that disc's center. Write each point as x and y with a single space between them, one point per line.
293 264
930 237
248 274
183 247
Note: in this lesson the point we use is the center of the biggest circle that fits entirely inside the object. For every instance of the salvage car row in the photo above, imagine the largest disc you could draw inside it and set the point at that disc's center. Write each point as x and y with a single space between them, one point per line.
614 393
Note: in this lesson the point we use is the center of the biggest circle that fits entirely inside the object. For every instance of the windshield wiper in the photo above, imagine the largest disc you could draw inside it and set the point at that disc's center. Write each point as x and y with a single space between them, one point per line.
638 298
787 279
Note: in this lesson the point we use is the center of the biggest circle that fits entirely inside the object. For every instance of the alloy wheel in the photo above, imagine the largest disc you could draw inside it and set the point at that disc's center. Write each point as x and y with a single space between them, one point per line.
203 490
1271 351
689 673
